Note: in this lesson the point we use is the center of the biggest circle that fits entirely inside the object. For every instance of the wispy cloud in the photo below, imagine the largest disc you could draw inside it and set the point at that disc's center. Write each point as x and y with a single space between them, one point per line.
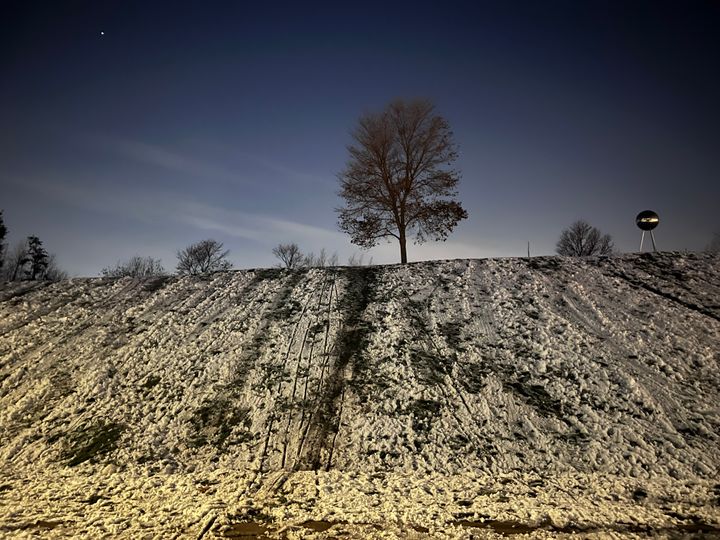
171 161
187 163
285 171
120 202
110 197
153 205
259 228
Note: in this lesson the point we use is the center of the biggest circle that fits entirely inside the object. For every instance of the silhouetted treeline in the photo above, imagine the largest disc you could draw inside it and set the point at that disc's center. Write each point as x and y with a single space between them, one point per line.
291 257
28 260
135 267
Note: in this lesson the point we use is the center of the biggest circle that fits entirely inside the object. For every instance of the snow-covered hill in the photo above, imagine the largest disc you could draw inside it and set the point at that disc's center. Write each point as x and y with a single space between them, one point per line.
427 399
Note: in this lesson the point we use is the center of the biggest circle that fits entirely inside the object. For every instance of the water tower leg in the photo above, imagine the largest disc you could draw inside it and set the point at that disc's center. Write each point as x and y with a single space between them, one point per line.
652 236
642 237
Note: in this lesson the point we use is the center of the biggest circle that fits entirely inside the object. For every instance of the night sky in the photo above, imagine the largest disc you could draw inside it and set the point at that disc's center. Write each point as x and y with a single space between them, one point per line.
230 120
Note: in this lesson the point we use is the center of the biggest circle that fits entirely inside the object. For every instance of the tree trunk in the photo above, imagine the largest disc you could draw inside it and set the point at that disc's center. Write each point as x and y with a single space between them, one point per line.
403 248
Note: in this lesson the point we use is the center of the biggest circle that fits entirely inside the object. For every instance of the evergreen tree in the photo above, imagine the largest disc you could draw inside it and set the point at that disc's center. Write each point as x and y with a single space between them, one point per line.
35 261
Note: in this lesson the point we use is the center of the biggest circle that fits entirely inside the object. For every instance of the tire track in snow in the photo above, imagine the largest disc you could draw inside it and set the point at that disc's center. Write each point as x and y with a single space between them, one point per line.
204 333
326 279
323 422
229 401
273 414
325 356
211 306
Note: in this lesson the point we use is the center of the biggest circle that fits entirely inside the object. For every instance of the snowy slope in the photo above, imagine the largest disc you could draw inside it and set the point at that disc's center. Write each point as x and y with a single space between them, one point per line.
563 394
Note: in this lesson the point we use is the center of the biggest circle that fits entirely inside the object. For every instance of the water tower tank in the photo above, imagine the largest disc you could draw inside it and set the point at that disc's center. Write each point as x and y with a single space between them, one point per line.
647 220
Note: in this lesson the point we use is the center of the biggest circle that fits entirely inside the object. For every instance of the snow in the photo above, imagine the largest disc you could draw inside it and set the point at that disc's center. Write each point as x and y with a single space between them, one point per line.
427 399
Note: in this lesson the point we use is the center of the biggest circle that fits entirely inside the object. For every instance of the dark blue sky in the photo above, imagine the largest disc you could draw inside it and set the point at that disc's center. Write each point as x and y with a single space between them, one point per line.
189 120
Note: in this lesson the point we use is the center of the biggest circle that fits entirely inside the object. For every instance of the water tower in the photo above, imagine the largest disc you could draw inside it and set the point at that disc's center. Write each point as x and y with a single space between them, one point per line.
647 221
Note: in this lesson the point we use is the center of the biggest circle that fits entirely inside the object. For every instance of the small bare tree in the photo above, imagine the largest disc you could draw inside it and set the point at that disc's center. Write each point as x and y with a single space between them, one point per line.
582 240
135 267
13 270
398 179
321 260
202 258
290 255
355 260
333 260
315 261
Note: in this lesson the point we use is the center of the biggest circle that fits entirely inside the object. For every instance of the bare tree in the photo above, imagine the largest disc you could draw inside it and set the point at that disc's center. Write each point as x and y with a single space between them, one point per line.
12 269
397 180
581 240
315 261
136 267
355 260
290 255
204 257
321 260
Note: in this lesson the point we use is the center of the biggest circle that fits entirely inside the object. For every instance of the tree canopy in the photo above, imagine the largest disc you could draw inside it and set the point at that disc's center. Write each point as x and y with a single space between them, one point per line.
582 239
204 257
289 254
398 180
